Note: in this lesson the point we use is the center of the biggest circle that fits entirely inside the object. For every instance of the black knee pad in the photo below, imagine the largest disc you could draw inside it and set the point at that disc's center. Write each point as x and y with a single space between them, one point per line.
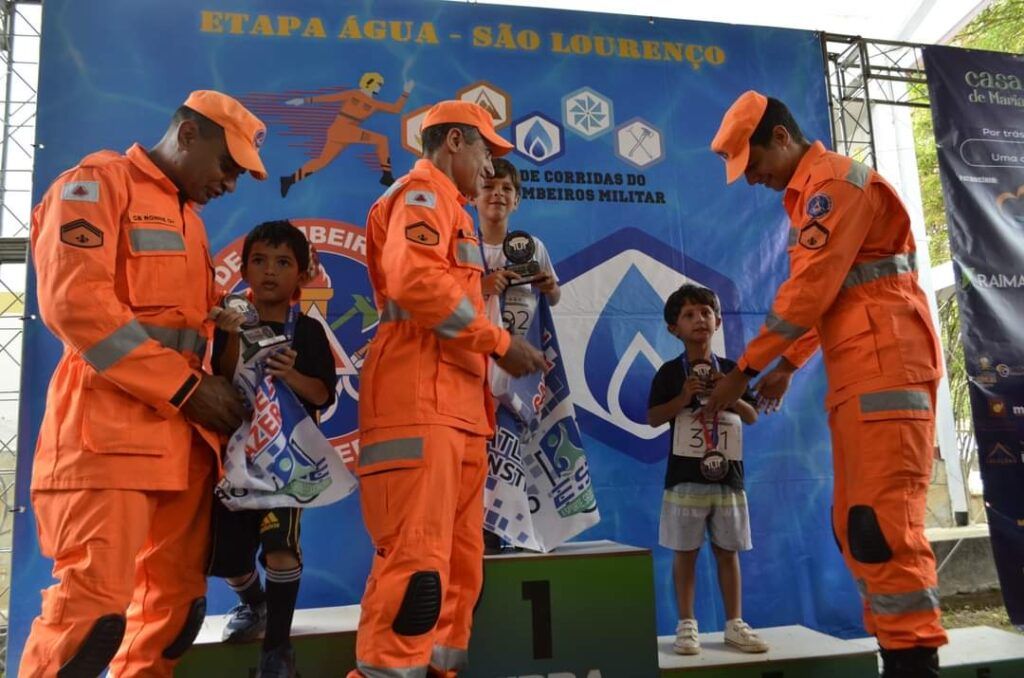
98 648
864 534
421 605
189 630
914 662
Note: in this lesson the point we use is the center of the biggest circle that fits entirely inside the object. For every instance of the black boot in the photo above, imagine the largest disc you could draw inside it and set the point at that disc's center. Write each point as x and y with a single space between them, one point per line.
915 662
387 178
286 183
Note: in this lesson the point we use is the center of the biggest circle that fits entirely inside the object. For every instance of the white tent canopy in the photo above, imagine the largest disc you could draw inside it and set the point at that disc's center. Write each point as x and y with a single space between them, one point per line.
924 21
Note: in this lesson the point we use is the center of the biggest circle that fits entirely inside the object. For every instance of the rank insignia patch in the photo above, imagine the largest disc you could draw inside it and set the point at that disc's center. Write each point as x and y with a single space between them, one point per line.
80 233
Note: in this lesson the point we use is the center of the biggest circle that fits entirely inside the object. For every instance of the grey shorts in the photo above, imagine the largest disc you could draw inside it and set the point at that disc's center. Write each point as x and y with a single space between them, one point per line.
690 509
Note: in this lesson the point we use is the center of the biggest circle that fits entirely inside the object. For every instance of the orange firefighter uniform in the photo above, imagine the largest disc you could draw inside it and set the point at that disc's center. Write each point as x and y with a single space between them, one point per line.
424 412
121 481
853 290
356 107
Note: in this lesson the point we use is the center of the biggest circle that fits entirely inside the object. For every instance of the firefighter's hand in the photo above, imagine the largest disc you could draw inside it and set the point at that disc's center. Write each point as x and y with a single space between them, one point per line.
521 358
226 319
407 87
727 390
772 387
498 281
215 404
297 101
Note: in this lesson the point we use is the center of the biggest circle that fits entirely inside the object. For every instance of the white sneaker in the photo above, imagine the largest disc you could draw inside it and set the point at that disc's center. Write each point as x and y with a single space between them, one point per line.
686 637
739 634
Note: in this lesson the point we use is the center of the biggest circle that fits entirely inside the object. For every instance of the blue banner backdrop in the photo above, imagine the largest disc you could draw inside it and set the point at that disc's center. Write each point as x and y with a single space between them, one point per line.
977 101
611 117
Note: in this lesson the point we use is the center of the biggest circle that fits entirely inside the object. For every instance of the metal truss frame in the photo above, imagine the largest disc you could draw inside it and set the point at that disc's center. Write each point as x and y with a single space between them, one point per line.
862 73
16 160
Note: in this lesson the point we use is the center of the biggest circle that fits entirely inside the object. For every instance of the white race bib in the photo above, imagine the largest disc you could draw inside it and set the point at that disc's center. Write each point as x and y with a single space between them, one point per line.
688 440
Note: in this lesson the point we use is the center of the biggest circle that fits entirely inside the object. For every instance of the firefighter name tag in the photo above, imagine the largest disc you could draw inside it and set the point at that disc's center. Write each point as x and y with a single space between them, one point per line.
689 438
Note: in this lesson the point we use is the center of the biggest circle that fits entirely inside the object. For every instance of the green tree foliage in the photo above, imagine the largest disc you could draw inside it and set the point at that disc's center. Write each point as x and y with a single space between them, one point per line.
999 28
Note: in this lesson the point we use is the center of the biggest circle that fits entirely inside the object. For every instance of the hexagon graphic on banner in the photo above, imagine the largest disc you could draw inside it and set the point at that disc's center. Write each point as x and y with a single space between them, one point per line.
411 123
588 113
493 99
639 143
538 138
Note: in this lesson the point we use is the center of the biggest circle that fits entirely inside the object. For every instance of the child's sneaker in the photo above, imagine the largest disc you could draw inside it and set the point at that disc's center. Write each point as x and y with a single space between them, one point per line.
739 634
278 662
245 623
686 637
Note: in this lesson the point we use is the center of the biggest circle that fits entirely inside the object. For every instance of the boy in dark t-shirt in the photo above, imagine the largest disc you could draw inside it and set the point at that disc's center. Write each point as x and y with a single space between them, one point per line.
704 476
276 261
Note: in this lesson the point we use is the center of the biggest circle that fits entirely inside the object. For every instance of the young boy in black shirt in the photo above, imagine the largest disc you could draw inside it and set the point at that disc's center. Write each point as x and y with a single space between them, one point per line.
704 477
275 263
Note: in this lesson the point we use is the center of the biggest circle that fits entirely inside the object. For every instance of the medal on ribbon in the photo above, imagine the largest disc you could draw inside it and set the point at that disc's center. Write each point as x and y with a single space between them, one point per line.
713 465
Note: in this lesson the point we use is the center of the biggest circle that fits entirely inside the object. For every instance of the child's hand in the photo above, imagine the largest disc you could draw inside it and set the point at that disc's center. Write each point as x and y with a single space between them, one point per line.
693 386
496 282
546 283
282 363
226 319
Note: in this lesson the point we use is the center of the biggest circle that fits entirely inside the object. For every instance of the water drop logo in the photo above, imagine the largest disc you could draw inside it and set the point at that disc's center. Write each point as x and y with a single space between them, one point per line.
538 138
611 313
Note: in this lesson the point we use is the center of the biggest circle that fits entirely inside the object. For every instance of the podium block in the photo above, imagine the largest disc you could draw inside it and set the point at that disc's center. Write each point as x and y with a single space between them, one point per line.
585 610
977 652
324 639
796 652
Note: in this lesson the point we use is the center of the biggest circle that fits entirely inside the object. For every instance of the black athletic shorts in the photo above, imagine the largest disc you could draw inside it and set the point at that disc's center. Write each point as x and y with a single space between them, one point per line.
239 535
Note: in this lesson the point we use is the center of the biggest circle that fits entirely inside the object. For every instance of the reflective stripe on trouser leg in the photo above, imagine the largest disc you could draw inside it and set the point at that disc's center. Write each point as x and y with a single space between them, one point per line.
93 537
883 467
410 513
453 628
171 573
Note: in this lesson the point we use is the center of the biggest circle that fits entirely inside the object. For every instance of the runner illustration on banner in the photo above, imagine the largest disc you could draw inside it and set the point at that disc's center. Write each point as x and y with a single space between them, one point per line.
332 120
338 298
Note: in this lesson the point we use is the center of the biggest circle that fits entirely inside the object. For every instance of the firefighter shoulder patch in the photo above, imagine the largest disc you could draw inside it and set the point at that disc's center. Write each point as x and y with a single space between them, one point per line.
81 191
80 233
422 234
420 198
813 236
818 205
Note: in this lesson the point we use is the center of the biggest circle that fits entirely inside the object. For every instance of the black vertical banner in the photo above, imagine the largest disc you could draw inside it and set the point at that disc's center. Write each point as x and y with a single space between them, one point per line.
977 101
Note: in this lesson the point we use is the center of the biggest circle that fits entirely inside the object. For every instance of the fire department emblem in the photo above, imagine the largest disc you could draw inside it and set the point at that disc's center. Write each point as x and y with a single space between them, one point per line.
339 297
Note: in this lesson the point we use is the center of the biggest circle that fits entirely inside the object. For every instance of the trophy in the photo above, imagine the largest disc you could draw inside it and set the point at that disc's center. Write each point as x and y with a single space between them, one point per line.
519 249
258 341
703 370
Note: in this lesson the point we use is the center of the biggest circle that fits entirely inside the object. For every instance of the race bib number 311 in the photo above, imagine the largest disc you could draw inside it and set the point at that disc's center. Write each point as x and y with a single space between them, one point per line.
689 438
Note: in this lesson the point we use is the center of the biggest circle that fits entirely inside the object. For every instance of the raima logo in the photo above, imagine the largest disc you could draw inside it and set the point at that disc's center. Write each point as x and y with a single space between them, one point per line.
341 300
610 321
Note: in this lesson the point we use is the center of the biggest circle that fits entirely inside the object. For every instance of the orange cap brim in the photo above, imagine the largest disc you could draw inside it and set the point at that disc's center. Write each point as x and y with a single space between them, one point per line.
497 144
737 165
244 153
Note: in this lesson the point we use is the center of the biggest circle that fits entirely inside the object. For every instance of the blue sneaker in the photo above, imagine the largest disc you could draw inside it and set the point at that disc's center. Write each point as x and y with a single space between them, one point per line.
245 623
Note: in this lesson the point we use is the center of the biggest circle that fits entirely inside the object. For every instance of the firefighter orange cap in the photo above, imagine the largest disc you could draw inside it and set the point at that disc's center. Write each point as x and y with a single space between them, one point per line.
243 131
733 139
466 113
